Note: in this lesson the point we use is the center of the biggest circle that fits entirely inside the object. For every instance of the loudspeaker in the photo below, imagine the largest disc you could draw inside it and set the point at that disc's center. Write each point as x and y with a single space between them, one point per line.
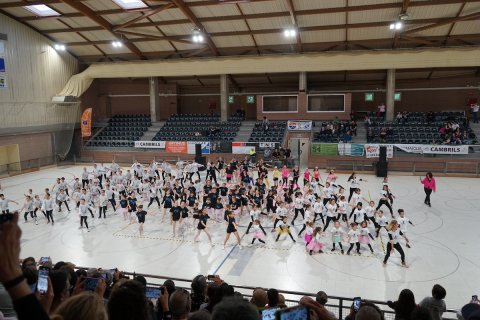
383 154
381 169
201 160
198 150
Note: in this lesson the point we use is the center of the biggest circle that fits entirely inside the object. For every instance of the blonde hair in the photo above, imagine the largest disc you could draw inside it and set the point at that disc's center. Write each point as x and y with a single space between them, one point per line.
392 224
85 306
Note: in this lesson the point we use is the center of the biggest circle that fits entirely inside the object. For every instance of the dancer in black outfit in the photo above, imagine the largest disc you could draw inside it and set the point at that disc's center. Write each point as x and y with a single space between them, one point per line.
384 199
231 228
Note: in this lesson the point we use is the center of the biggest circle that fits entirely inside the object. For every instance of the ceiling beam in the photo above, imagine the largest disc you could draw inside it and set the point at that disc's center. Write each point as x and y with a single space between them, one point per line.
193 19
417 40
453 24
293 18
144 15
89 13
444 22
248 27
405 5
153 37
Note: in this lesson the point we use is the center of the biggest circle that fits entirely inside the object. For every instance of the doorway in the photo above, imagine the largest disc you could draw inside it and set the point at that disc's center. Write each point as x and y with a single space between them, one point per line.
300 151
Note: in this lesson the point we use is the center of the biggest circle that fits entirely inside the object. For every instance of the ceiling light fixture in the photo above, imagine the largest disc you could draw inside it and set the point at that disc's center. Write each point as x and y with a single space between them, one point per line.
290 32
60 47
117 44
197 36
397 25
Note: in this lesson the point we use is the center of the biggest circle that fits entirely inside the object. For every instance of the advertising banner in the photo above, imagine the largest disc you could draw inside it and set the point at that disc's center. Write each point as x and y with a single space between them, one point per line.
267 144
86 123
176 147
350 149
299 125
150 144
205 147
242 148
373 150
433 149
324 149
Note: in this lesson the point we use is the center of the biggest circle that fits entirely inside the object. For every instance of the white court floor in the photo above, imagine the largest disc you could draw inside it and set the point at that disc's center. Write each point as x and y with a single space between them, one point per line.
445 245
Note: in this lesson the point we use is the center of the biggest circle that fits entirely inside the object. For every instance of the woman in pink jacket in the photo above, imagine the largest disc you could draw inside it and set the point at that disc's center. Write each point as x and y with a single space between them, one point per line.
428 186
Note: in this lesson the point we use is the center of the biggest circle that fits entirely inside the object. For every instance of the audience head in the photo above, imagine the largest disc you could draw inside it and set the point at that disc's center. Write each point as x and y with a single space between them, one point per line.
128 302
61 286
259 298
369 311
180 303
471 311
170 285
200 315
199 285
439 292
235 309
272 295
321 297
86 306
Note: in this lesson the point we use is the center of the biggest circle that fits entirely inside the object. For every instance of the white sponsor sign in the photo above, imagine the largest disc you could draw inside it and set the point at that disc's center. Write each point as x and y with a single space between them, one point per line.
266 144
373 150
241 148
150 144
299 125
433 149
205 147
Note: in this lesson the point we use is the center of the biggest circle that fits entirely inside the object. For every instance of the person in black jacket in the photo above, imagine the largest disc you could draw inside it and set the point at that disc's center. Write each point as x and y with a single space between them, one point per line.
404 305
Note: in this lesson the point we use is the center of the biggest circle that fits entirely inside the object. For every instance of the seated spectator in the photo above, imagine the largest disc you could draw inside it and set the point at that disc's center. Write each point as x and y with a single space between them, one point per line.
470 311
383 134
369 311
128 302
353 127
399 117
265 124
180 304
86 306
316 308
272 295
404 305
436 304
420 313
322 298
61 287
367 121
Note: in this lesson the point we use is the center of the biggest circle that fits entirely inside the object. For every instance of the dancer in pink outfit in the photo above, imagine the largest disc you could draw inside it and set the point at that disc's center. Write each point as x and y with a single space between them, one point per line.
428 186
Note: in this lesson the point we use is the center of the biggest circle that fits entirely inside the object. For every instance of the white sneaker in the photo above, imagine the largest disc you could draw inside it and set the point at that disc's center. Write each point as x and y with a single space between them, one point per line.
240 247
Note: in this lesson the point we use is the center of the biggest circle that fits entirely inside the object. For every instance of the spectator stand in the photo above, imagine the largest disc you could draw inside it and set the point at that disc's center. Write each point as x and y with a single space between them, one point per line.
121 131
275 132
340 306
335 131
199 127
421 128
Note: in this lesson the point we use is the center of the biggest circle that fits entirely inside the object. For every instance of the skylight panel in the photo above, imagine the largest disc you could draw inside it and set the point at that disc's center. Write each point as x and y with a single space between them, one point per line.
42 10
130 4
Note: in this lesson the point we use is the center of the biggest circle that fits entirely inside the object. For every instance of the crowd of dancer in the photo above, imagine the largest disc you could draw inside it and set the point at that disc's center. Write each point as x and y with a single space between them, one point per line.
329 214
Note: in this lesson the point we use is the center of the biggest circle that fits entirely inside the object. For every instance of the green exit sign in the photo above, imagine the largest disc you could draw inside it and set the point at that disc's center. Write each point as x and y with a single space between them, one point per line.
231 99
250 99
369 96
397 96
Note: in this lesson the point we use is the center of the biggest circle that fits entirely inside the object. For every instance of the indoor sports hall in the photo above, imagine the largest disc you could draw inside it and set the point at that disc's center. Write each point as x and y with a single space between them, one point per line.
254 159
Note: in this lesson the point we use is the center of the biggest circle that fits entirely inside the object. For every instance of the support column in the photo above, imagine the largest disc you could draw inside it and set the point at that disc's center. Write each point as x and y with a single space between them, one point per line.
154 99
302 82
390 103
223 97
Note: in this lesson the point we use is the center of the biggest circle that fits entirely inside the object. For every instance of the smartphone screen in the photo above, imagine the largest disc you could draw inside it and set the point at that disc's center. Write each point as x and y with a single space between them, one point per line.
42 284
357 302
269 314
153 292
295 313
90 284
43 259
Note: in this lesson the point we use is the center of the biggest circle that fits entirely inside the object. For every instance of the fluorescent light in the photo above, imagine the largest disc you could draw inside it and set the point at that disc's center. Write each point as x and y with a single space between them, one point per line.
398 25
117 44
131 4
42 10
290 33
392 26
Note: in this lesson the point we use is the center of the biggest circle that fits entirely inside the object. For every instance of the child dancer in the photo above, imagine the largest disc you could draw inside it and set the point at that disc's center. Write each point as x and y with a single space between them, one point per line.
403 221
298 206
331 213
176 216
284 228
308 232
124 207
28 207
316 244
141 218
342 209
231 228
337 234
285 175
202 225
306 176
394 235
316 175
132 205
307 218
358 214
332 177
381 221
48 204
102 205
384 194
276 176
258 232
254 214
353 238
370 213
167 202
354 184
4 204
83 209
318 210
365 235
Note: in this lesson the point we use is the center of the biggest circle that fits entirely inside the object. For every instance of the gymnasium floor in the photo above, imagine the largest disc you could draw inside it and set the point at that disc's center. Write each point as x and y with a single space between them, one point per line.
445 245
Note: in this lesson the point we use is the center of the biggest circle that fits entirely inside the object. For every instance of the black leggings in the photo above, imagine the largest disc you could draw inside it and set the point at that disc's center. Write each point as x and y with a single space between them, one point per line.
357 244
428 192
253 240
302 211
352 191
385 202
321 217
151 201
328 222
285 180
289 233
250 225
340 244
83 219
49 215
31 215
60 205
113 203
100 209
399 249
84 182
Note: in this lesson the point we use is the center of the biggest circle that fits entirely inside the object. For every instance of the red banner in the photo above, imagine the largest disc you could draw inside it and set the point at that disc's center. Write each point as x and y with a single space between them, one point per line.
86 123
176 147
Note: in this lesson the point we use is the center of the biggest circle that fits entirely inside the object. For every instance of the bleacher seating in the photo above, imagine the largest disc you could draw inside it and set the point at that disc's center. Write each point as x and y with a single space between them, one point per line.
199 127
335 131
275 132
419 128
122 131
